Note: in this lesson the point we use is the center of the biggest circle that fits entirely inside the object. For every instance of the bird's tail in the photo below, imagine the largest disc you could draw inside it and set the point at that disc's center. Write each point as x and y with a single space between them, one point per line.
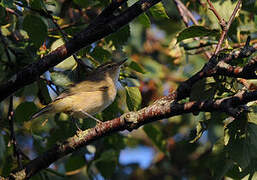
44 110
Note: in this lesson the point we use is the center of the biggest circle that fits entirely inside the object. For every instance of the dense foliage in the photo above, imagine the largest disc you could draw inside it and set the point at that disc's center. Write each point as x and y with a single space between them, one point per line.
164 48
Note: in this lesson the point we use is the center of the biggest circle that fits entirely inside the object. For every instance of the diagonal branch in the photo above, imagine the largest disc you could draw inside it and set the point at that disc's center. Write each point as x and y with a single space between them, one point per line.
93 33
163 108
211 68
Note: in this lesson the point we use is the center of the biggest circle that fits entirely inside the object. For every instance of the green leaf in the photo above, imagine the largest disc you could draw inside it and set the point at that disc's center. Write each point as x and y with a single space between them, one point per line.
252 115
36 4
75 162
120 37
100 54
144 20
7 3
69 62
24 111
133 98
116 142
2 148
202 90
242 144
200 128
255 21
111 111
36 29
85 4
137 67
43 93
153 68
156 135
60 79
224 8
250 6
196 31
219 161
107 162
3 16
158 11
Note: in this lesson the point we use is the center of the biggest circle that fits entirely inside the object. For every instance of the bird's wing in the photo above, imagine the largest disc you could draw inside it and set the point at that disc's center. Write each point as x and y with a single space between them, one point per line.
88 86
81 87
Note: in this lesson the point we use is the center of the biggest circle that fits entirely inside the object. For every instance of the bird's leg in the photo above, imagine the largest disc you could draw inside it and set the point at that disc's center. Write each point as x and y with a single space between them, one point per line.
92 117
76 124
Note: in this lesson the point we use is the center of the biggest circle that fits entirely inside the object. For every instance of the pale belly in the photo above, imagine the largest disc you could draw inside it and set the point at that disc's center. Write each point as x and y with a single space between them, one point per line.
90 102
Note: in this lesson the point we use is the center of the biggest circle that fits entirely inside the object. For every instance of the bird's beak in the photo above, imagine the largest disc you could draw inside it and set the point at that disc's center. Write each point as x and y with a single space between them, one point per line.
122 62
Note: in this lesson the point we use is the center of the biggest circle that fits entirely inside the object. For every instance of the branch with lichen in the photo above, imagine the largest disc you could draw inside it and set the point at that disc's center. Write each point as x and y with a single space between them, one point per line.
163 108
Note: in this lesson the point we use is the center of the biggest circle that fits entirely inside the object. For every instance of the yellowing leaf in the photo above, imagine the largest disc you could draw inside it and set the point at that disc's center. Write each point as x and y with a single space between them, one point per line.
158 12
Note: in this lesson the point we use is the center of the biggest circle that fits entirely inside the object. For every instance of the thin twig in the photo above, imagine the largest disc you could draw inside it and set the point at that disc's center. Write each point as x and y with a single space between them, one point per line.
12 133
224 25
184 12
212 8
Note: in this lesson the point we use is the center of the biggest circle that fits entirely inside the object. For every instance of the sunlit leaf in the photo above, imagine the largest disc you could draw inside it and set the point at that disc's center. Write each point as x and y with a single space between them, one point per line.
144 20
60 79
69 62
133 98
158 12
200 128
229 6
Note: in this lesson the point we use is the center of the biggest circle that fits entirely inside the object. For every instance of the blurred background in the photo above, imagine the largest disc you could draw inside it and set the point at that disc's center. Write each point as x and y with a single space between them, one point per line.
176 148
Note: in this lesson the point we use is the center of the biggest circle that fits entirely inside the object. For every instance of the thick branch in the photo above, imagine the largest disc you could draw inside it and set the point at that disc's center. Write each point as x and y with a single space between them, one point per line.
162 108
94 33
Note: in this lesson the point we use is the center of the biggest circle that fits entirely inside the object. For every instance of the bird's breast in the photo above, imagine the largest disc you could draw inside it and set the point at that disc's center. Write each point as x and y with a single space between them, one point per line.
95 102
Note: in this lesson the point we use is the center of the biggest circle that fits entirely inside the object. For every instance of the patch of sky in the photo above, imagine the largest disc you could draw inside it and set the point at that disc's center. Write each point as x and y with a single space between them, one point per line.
142 155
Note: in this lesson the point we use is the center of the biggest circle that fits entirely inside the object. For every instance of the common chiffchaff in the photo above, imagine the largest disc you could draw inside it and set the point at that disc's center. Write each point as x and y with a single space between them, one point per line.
90 96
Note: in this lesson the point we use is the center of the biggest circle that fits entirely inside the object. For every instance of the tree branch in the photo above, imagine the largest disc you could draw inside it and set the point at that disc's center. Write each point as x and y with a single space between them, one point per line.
211 68
163 108
13 141
93 33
